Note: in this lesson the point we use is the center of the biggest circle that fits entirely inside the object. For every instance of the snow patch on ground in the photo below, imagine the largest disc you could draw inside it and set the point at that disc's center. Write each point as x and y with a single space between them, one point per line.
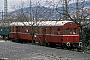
4 41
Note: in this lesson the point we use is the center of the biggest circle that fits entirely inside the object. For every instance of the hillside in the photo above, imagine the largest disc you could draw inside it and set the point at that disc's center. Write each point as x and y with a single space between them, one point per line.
49 13
85 12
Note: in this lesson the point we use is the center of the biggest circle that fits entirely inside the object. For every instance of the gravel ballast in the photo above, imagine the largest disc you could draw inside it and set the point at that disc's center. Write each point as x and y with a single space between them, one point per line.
17 51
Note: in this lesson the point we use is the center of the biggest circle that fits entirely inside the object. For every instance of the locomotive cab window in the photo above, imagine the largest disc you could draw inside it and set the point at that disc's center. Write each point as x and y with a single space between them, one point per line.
44 30
11 29
66 30
1 29
70 30
23 29
14 29
26 30
51 30
40 30
75 31
58 31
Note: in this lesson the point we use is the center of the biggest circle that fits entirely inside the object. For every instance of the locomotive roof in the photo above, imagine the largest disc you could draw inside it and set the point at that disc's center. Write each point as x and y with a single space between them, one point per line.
40 23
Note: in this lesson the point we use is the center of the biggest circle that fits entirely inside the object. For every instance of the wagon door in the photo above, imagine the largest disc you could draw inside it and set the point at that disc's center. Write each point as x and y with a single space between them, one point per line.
17 29
75 35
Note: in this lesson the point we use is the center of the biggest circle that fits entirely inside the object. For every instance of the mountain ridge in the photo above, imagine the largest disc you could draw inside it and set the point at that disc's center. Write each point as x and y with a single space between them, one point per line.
48 13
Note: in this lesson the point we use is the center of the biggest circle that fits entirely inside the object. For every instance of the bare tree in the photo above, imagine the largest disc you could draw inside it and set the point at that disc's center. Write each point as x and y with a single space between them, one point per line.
79 17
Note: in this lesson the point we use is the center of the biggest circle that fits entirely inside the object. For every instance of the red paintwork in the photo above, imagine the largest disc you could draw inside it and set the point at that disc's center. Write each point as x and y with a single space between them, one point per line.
47 37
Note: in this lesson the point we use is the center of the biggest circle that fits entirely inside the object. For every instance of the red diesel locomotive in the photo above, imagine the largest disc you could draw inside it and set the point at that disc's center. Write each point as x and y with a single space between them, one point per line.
62 33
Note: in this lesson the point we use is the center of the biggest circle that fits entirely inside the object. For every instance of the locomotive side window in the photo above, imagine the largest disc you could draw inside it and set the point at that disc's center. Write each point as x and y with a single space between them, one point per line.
14 29
36 29
26 30
70 30
40 30
66 30
44 30
58 31
21 29
11 29
51 30
75 31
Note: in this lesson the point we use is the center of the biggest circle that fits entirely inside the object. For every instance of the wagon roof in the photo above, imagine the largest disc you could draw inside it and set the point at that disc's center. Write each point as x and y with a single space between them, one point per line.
40 23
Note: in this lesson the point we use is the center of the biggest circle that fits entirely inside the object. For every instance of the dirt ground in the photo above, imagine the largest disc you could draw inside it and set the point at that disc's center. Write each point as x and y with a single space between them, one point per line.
16 51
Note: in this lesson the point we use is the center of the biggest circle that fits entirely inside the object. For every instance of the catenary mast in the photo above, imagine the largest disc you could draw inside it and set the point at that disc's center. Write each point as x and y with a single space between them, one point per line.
5 22
5 10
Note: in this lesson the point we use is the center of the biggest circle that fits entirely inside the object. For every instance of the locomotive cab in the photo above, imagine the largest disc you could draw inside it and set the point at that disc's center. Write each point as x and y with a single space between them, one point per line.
71 35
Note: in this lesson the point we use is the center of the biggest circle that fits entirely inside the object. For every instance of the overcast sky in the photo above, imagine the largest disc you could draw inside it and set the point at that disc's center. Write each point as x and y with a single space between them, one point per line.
17 3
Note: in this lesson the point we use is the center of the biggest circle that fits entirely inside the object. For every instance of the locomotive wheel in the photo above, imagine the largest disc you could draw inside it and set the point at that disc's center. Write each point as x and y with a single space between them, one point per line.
3 37
53 45
36 43
47 44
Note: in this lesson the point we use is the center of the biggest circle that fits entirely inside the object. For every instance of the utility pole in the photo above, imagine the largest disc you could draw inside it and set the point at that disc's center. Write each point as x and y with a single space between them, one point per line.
65 6
77 9
2 14
66 9
32 22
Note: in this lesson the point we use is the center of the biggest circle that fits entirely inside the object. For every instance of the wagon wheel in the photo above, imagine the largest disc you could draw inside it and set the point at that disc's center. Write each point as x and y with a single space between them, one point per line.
46 43
39 42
